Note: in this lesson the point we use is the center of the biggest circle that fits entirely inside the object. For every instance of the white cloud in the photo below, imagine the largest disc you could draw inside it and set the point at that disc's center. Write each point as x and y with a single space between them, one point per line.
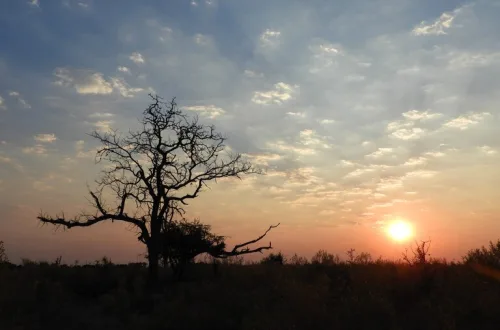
2 104
466 121
104 125
89 82
420 174
359 172
123 88
439 26
399 124
263 159
101 115
38 149
281 93
408 133
326 121
309 137
488 150
381 152
137 58
253 74
34 3
20 99
46 138
123 69
421 115
270 38
283 146
389 184
201 39
296 114
84 81
416 161
210 111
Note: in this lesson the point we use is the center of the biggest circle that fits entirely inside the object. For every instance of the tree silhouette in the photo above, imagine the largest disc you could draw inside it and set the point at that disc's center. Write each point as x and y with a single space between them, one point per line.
183 241
154 172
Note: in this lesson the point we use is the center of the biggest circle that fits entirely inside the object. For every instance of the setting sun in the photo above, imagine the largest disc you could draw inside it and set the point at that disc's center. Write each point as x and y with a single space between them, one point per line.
400 230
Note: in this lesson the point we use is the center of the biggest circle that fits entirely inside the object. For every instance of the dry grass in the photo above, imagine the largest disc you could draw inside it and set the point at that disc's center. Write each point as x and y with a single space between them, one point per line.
380 295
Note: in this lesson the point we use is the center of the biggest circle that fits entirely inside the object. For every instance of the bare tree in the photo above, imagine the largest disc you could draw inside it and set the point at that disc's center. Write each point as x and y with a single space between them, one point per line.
154 172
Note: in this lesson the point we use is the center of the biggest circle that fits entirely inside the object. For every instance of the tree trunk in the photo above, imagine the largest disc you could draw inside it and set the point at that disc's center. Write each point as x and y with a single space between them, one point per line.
153 265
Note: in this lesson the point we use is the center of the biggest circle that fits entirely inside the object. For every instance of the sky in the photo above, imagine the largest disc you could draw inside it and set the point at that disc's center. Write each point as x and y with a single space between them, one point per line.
361 112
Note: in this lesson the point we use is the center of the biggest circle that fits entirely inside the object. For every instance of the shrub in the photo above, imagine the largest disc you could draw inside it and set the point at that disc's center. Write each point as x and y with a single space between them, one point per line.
486 256
322 257
3 255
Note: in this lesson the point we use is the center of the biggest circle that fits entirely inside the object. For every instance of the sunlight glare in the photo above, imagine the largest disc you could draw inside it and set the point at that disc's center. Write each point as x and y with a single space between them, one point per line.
400 230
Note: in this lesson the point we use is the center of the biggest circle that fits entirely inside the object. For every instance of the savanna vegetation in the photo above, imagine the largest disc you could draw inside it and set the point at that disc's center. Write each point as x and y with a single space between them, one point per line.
192 280
279 292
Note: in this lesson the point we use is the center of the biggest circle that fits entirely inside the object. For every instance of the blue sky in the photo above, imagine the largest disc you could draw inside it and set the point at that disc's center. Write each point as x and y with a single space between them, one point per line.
361 111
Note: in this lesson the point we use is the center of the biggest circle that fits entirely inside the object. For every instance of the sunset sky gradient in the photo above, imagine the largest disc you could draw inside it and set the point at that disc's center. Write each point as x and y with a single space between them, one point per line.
363 112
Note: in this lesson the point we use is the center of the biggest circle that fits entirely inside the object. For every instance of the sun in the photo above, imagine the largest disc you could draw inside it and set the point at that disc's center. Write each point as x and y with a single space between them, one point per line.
400 230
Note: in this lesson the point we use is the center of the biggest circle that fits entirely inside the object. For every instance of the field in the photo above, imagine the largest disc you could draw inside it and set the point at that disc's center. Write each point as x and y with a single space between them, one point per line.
373 295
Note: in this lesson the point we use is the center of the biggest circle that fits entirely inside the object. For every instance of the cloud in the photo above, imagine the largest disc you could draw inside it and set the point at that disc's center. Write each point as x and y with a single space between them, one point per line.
210 111
34 3
123 88
466 121
438 27
263 159
20 99
2 103
380 153
281 93
45 138
123 69
253 74
310 137
84 81
89 82
270 38
421 115
326 121
101 115
488 150
37 149
137 58
103 125
416 161
297 114
408 133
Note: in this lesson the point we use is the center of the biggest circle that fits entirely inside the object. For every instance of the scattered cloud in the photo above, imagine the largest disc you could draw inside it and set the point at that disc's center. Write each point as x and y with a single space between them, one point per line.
84 81
34 3
45 138
421 115
88 82
270 38
466 121
253 74
37 149
210 111
123 88
488 150
297 114
438 27
408 133
123 69
281 93
20 99
137 58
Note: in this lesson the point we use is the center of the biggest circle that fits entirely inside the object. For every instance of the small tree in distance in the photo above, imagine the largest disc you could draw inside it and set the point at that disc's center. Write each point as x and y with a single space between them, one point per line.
154 172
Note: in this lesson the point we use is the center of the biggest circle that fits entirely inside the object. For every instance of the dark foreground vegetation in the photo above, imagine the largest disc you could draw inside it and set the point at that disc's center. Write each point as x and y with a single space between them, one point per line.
322 293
